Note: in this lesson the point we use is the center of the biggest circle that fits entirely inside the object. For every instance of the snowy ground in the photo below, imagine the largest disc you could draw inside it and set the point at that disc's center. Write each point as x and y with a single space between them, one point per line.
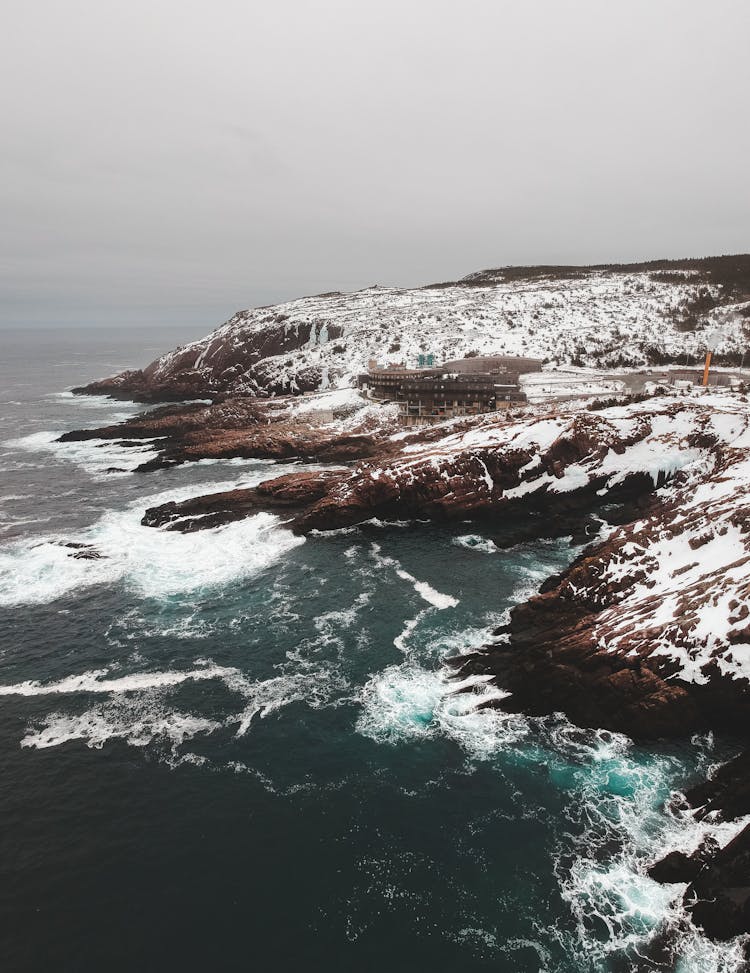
597 319
689 597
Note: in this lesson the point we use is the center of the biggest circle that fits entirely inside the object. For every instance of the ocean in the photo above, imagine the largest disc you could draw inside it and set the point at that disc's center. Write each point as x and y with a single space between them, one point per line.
237 749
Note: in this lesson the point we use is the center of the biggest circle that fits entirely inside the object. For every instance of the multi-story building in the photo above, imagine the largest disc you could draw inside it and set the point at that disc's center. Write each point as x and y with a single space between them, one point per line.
466 386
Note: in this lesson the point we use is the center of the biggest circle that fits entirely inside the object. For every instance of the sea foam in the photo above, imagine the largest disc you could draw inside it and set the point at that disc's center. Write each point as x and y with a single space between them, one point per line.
152 562
99 457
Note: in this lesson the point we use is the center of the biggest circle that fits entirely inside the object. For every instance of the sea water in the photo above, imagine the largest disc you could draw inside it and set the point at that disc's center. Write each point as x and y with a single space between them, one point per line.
240 749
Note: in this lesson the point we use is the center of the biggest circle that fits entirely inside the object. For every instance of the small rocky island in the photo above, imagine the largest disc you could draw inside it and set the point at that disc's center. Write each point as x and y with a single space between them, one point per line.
618 439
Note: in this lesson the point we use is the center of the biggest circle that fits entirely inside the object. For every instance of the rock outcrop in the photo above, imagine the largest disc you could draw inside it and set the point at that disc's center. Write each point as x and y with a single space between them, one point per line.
649 631
718 886
279 429
496 467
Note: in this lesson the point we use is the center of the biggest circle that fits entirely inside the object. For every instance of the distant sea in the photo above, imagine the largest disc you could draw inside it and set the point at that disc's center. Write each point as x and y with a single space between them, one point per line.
236 749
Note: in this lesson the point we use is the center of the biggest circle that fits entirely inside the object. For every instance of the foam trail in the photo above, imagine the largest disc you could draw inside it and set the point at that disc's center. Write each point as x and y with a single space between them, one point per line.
136 721
401 639
268 695
137 711
435 598
95 682
426 591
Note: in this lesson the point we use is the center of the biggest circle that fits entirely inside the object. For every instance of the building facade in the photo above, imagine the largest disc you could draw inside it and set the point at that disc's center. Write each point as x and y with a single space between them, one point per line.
463 387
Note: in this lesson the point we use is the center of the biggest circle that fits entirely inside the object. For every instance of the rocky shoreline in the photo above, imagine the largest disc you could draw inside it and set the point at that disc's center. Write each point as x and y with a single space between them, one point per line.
647 632
235 427
552 654
613 316
591 643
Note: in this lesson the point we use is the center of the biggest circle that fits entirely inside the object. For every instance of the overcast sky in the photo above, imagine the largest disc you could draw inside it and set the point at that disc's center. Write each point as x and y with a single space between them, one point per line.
174 160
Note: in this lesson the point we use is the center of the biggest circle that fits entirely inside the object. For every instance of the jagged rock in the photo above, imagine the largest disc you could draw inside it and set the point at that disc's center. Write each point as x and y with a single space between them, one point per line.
727 791
240 427
680 867
719 897
676 867
86 552
285 493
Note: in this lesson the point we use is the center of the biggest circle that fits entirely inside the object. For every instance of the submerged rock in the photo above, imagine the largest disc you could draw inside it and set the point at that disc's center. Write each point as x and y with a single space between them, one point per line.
80 551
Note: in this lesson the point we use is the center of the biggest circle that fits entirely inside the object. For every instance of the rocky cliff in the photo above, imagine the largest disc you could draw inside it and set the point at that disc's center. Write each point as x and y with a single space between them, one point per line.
606 316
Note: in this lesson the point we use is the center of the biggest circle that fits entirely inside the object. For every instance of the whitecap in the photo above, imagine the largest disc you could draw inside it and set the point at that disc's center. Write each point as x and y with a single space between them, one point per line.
153 562
409 702
473 542
98 457
137 720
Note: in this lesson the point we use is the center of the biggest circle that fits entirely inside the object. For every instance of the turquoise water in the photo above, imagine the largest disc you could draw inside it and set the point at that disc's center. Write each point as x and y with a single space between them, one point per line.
237 749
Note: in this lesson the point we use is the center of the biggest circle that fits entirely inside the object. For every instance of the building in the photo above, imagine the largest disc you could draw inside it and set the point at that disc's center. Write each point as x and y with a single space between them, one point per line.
695 377
464 387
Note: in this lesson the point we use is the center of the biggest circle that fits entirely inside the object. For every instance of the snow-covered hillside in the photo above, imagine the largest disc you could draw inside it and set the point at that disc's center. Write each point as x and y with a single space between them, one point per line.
598 318
673 588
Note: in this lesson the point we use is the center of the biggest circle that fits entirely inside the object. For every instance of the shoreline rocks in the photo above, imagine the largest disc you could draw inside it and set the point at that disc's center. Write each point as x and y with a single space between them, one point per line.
238 427
718 890
647 632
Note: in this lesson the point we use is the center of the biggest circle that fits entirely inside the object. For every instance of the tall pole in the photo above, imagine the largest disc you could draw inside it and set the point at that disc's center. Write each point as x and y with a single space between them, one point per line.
709 355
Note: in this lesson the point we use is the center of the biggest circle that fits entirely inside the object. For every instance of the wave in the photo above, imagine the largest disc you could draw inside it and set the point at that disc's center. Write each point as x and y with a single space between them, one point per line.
473 542
101 458
153 563
126 406
137 709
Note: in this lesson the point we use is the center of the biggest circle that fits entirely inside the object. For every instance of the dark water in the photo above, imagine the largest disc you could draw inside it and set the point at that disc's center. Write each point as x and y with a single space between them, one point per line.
234 750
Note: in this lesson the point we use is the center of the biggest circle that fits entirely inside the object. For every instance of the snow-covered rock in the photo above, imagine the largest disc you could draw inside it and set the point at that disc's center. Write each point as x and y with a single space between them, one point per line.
649 631
600 317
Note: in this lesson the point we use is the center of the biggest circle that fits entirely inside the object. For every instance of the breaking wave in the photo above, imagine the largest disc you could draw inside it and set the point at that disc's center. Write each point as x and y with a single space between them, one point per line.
628 801
407 702
101 458
622 815
473 542
154 563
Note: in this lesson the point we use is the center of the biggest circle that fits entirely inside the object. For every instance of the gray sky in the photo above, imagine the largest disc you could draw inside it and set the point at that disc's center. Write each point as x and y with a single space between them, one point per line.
174 160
